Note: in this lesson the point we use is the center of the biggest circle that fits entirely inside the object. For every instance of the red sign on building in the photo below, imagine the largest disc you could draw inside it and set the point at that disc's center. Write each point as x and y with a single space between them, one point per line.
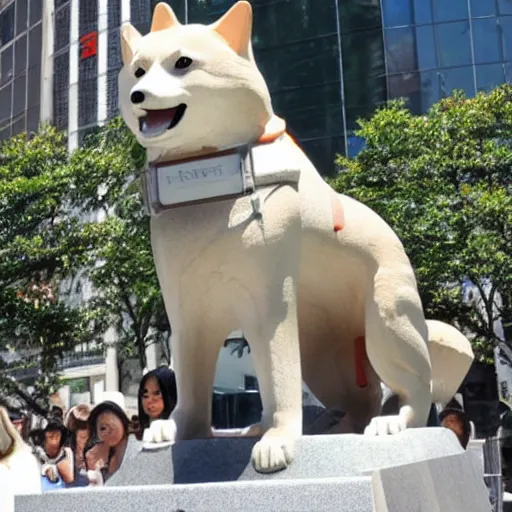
88 45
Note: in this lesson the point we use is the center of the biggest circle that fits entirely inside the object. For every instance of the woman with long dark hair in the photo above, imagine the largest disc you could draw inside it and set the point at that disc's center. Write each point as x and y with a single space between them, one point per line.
108 437
157 396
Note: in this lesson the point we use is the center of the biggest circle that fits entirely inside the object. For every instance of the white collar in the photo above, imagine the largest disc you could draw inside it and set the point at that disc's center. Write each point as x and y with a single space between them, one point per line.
219 176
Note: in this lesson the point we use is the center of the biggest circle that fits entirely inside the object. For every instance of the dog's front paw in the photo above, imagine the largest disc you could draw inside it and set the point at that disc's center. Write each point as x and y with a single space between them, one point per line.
386 425
273 452
160 431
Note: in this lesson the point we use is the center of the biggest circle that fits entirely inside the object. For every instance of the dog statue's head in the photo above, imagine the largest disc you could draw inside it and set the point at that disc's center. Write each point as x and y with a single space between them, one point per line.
185 89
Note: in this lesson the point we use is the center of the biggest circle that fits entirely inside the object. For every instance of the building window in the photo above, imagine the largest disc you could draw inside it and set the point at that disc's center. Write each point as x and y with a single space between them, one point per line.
401 50
483 8
20 67
487 41
21 16
35 41
453 44
7 65
87 69
19 97
62 28
61 64
20 55
5 104
426 47
60 90
7 25
489 76
36 11
504 7
505 30
451 10
457 79
422 11
397 13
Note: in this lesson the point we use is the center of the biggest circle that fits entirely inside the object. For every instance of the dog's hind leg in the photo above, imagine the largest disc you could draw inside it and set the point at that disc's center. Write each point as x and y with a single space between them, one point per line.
396 344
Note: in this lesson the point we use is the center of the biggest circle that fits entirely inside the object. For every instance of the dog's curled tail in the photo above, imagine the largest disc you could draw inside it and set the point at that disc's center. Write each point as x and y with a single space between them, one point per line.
451 356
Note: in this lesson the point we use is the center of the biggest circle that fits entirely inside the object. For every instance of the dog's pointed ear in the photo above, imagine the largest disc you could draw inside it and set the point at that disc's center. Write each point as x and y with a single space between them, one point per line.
163 17
130 36
235 27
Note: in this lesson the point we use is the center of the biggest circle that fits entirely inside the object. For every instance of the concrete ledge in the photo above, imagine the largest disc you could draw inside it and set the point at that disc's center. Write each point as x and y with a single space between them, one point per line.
340 494
333 456
447 484
419 469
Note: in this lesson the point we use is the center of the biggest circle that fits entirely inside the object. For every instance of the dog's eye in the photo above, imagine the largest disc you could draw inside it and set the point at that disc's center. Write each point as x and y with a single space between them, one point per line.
183 62
139 72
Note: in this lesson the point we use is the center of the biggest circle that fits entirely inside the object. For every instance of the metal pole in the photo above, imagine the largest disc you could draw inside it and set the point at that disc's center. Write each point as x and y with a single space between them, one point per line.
342 81
472 43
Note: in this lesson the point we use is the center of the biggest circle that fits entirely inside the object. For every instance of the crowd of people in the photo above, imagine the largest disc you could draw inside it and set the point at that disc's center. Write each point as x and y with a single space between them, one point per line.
87 444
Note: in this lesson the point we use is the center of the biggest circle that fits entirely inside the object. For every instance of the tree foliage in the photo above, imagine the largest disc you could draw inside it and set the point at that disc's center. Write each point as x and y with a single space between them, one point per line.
443 182
63 215
40 245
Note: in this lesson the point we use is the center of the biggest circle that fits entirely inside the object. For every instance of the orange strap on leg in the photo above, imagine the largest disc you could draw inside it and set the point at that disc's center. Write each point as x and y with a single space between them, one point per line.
338 216
359 361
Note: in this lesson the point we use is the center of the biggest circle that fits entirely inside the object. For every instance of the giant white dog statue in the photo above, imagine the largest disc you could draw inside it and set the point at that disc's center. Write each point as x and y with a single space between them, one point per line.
247 235
19 469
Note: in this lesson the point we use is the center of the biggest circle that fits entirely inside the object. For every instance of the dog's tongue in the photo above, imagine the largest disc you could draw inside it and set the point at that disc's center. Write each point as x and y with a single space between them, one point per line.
157 121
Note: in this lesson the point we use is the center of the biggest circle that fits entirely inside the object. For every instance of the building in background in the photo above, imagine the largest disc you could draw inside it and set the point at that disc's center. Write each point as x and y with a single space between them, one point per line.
433 47
21 40
327 63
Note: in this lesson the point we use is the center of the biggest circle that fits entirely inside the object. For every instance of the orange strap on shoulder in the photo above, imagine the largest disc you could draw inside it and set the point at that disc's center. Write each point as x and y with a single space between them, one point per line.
359 361
274 129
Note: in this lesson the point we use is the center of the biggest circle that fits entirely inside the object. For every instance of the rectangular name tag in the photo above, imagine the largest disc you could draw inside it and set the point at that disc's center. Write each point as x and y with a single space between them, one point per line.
198 180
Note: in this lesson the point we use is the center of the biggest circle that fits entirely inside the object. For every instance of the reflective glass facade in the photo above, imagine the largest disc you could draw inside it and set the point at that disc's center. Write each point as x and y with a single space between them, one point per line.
327 62
20 66
436 46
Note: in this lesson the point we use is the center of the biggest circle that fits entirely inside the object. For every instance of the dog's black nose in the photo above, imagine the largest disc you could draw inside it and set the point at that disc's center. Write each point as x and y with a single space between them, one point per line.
137 97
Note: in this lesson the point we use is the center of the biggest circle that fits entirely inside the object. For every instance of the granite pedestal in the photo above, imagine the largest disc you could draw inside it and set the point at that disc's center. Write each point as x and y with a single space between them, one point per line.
417 470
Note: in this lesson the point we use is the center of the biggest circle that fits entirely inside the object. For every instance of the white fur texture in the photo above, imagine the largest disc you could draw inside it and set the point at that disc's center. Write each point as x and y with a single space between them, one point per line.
280 276
451 355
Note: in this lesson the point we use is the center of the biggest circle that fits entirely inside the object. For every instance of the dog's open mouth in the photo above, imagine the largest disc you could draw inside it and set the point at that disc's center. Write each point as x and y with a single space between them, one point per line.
157 122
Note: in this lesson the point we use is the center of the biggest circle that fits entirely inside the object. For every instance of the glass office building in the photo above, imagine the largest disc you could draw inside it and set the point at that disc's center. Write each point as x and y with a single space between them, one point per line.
436 46
20 65
327 62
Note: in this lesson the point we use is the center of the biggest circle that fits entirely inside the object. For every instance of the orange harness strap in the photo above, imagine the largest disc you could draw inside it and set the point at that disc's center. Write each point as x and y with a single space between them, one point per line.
273 131
360 358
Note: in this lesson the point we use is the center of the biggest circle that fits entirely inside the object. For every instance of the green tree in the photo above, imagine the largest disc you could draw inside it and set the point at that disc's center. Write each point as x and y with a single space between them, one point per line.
443 182
40 245
63 215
